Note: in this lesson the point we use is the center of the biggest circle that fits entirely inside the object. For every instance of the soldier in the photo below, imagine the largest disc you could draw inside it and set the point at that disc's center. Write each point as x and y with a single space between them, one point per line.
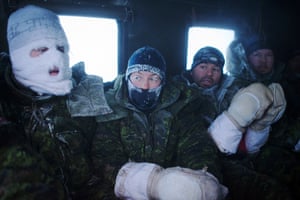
252 59
46 116
142 149
243 131
207 79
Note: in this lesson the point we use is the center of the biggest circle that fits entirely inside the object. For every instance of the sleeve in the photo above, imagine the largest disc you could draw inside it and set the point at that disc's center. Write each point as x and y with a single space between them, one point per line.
196 149
107 155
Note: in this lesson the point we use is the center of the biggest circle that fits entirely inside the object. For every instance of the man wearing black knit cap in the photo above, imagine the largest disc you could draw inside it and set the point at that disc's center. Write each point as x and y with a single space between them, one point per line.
145 76
166 156
206 70
206 78
245 130
207 67
252 59
225 96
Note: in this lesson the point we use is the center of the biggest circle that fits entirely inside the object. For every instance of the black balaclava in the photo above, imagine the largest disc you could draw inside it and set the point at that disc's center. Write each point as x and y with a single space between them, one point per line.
145 59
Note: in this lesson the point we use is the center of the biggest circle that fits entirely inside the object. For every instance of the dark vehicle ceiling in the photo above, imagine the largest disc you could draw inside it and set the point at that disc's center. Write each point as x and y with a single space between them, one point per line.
163 23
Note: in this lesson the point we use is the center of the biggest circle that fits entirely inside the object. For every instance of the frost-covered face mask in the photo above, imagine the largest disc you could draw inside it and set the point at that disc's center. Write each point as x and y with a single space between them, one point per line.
143 99
43 66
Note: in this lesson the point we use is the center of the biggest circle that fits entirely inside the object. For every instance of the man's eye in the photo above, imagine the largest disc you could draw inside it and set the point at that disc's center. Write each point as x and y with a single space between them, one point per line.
61 49
136 78
257 54
155 78
216 69
203 66
39 51
42 49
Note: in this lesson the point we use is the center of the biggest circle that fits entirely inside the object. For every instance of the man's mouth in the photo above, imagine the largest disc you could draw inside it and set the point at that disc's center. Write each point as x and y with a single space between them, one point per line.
54 71
207 80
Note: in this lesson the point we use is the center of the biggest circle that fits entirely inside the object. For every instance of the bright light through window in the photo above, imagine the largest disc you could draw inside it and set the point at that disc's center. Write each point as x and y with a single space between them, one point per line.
199 37
94 41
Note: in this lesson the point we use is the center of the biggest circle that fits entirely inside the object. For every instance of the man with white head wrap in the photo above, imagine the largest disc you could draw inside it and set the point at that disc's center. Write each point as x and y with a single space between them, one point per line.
39 51
46 114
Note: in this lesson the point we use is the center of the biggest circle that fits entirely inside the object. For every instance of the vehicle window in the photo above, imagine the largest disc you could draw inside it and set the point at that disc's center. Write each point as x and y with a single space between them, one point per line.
199 37
94 41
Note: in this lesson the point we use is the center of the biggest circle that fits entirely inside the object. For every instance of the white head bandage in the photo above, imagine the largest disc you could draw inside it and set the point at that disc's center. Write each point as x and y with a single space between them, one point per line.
34 28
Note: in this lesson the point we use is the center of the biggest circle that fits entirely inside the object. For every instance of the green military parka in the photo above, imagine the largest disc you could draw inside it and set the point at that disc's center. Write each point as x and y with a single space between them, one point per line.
168 135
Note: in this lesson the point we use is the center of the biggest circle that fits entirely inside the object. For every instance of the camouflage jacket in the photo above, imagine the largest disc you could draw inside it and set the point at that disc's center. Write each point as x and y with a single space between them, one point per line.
45 139
167 136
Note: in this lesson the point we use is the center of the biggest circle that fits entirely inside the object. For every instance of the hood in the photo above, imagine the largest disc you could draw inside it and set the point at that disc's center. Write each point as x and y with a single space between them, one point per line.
238 66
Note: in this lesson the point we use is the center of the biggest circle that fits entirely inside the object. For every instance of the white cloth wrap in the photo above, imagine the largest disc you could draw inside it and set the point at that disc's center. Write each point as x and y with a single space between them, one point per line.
32 23
132 180
143 181
34 72
225 134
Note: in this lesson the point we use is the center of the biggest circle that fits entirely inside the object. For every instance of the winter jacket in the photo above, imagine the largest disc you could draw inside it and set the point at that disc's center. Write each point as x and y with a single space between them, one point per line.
167 136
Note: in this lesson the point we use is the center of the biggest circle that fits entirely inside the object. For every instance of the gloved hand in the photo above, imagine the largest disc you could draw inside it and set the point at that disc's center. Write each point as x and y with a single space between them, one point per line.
249 104
258 131
137 181
274 112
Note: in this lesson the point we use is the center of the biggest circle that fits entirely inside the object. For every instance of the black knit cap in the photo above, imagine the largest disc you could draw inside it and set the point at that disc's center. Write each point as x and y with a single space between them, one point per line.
255 42
147 59
208 55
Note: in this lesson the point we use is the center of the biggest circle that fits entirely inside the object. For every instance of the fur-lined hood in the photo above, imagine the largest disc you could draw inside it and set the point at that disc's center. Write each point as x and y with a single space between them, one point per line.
238 66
